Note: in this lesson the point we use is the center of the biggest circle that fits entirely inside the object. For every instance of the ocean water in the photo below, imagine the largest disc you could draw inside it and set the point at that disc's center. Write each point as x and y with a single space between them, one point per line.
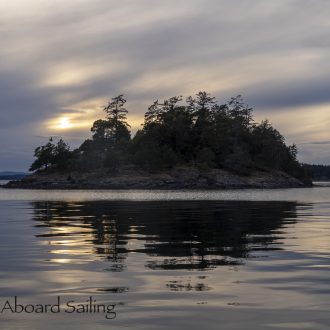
235 259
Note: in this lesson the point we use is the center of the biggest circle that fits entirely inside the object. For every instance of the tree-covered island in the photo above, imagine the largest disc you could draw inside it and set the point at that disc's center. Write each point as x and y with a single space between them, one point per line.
191 143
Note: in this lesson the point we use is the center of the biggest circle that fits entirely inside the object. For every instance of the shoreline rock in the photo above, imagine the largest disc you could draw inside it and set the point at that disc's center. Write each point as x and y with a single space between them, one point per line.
175 179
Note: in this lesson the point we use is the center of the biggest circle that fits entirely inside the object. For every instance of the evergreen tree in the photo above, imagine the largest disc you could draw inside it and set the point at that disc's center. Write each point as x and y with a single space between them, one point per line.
110 138
54 156
44 155
200 132
238 110
115 128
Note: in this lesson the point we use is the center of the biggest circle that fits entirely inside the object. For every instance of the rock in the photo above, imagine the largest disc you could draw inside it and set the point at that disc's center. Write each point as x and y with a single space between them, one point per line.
178 178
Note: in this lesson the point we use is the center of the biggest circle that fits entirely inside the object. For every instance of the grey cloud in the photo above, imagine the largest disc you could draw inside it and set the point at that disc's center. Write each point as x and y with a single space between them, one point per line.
318 142
140 38
291 93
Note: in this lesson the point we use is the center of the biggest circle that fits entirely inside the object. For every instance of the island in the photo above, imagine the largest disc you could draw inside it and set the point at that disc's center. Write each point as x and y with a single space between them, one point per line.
191 143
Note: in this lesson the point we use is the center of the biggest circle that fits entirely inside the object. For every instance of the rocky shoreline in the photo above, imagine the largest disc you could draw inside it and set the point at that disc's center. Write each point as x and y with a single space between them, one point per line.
182 178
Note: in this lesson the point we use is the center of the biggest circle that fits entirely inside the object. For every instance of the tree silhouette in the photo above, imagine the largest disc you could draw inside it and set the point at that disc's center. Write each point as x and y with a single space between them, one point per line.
52 155
198 132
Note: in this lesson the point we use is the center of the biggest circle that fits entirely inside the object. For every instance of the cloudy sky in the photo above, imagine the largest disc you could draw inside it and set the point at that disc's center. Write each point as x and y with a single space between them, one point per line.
60 61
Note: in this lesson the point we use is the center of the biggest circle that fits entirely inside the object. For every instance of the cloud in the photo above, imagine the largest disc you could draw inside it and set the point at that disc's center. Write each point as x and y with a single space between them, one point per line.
319 142
297 92
67 58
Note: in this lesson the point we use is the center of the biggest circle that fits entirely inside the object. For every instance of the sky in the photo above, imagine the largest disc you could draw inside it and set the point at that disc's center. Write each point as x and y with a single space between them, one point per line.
61 61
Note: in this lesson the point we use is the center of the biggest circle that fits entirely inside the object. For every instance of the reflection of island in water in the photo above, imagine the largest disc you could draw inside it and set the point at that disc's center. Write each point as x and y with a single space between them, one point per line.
171 234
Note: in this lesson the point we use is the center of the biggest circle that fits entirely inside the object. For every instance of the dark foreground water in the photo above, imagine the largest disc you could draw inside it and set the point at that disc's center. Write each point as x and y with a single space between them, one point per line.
165 261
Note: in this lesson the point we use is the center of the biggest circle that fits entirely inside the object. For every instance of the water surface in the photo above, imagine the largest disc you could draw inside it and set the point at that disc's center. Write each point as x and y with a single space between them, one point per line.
168 260
319 193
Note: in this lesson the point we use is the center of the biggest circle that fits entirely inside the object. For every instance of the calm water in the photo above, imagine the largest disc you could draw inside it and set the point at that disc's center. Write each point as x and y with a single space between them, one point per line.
167 260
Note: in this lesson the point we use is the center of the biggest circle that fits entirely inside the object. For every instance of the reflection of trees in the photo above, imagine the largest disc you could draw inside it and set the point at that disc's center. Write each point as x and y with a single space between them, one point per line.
174 235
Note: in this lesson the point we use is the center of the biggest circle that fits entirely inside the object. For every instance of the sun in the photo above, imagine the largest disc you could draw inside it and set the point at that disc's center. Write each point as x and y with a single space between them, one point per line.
64 123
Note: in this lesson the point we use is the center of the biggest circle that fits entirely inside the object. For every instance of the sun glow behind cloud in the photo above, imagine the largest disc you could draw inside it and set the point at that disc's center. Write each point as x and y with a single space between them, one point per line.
61 61
67 122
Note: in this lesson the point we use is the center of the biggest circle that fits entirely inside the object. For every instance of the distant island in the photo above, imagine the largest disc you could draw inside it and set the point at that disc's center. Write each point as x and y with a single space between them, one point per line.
9 175
318 172
196 143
